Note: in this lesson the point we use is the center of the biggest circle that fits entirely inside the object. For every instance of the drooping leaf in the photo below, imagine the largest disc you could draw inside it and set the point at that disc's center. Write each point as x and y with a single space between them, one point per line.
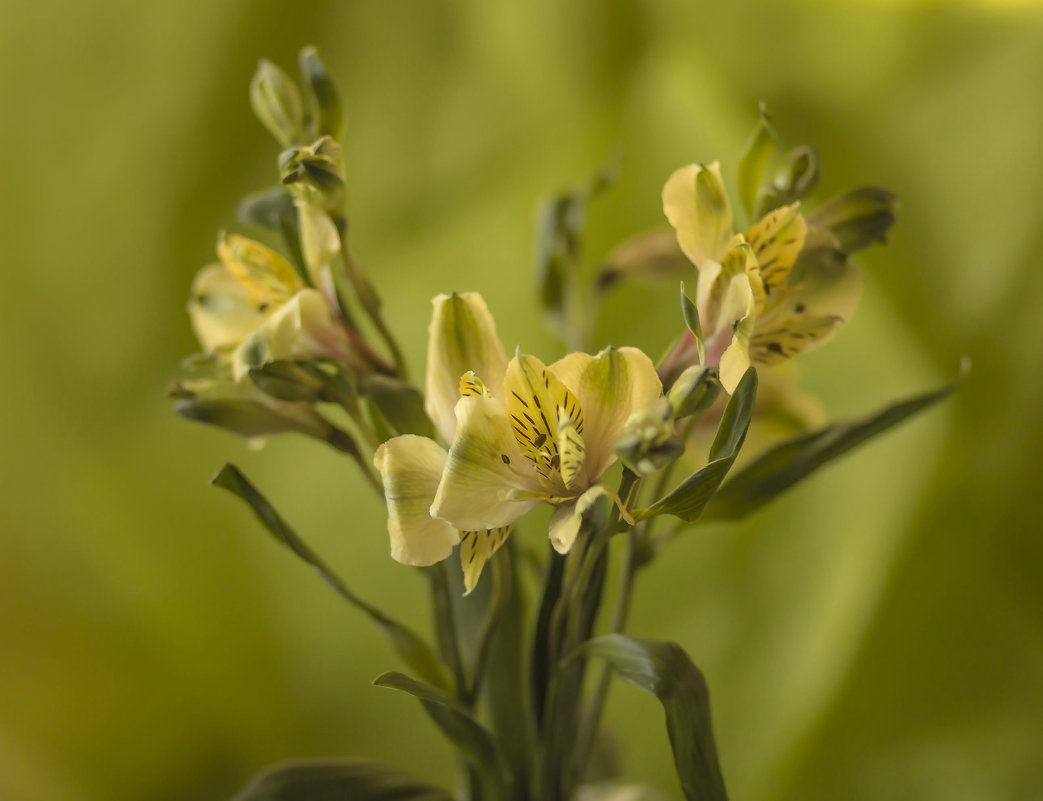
337 780
407 644
664 669
473 740
755 160
688 500
798 457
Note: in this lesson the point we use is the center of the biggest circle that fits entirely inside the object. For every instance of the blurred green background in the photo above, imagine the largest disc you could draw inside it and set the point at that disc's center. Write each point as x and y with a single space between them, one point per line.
876 634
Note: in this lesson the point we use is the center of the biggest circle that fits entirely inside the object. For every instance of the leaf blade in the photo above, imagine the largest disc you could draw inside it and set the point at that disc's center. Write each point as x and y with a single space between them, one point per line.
335 780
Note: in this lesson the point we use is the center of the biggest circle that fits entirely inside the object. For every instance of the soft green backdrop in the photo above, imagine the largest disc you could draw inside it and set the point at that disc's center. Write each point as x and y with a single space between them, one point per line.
877 634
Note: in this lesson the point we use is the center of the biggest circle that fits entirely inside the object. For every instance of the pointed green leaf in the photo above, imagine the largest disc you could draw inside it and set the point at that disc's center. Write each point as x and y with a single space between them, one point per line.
688 500
797 458
755 160
410 646
664 669
691 319
337 780
467 734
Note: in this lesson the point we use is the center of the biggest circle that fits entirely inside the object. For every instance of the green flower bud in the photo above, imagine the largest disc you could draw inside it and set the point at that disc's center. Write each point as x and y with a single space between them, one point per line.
795 180
277 103
321 97
319 168
858 219
694 391
649 441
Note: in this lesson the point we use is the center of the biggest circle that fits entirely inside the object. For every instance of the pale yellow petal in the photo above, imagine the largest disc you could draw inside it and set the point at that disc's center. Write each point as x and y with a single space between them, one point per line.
411 468
222 313
320 241
784 338
608 387
736 357
484 468
477 548
566 522
462 338
302 328
536 400
696 204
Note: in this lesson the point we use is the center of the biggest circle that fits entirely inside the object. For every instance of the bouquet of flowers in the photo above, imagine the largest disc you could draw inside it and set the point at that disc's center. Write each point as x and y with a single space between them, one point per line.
626 451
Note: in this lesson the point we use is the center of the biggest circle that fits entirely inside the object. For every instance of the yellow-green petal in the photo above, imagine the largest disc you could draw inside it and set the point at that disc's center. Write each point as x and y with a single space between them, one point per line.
477 548
696 204
222 313
411 468
736 358
320 241
776 241
608 387
267 277
462 338
484 471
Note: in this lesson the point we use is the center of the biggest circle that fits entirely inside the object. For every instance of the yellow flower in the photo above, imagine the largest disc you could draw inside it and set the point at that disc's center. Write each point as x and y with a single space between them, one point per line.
252 308
521 432
754 307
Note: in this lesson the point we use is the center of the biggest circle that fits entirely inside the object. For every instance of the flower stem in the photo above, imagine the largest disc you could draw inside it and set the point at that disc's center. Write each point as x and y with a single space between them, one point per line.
445 625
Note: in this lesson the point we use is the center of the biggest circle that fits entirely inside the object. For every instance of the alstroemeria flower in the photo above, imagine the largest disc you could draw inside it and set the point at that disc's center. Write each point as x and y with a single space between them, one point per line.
753 306
253 308
522 433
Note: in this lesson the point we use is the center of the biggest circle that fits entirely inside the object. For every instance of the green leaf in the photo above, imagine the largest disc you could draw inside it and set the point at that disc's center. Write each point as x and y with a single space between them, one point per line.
755 160
794 180
410 646
691 319
337 780
467 734
664 669
400 405
688 500
858 219
798 457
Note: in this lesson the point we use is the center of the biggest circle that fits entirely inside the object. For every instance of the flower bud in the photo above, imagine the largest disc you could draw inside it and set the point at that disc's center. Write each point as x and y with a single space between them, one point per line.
649 441
320 95
694 391
320 167
277 103
858 219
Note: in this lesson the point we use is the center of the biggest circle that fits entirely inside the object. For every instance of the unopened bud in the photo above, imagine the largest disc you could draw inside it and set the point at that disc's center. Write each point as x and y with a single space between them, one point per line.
277 103
321 97
858 219
694 391
649 441
319 167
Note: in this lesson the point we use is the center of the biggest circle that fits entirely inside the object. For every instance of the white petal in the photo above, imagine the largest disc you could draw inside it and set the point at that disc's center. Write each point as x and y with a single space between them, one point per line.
411 467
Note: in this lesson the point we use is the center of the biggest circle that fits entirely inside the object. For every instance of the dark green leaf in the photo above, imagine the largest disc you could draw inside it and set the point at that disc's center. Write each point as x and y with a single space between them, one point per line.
467 734
691 319
688 500
858 219
754 161
337 780
797 458
664 669
400 405
411 647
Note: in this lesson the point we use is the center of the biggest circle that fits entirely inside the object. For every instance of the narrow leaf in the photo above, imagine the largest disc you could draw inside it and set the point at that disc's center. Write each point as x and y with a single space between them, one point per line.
337 780
691 319
467 734
410 646
754 161
798 457
664 669
688 500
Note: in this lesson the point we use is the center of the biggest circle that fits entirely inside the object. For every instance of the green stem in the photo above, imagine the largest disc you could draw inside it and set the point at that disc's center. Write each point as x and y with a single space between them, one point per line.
445 625
497 601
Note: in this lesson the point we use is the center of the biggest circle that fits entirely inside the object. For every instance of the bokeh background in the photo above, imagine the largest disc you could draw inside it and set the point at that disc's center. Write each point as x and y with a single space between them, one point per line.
876 634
